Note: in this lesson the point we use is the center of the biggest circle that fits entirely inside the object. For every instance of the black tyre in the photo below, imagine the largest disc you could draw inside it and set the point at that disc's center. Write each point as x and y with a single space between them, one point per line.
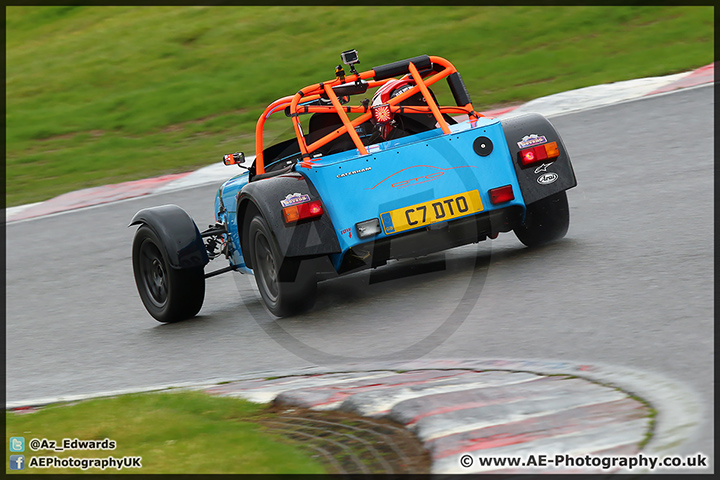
286 285
168 294
546 220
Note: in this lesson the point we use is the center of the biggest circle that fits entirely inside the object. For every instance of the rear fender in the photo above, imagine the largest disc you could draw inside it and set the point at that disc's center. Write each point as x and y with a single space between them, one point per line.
542 179
309 238
178 232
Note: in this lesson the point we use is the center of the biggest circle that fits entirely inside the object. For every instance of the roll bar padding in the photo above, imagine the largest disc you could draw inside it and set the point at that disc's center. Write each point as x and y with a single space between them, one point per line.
401 67
458 89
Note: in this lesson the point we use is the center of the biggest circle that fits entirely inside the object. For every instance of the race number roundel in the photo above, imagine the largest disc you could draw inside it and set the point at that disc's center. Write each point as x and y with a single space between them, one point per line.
483 146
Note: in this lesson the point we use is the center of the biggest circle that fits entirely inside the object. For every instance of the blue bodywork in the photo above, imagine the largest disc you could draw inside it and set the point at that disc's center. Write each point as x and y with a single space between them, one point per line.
395 174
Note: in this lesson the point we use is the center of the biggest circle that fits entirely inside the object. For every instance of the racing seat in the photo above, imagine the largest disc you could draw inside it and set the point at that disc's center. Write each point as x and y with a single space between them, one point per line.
280 158
320 125
323 123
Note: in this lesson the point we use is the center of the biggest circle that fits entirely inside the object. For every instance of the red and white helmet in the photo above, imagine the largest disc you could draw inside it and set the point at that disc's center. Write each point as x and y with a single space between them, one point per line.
391 89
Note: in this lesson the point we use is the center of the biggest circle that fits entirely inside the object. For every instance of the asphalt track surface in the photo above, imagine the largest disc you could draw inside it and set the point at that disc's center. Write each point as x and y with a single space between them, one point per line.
630 285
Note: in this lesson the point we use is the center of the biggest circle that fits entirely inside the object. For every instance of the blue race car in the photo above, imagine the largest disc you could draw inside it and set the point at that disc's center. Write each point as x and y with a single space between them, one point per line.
393 177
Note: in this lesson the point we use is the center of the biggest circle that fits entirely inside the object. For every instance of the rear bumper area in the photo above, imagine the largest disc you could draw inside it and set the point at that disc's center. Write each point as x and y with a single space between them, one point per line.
434 238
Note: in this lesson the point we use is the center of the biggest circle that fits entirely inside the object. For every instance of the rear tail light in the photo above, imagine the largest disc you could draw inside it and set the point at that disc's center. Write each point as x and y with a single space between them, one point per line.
501 194
303 211
548 151
552 150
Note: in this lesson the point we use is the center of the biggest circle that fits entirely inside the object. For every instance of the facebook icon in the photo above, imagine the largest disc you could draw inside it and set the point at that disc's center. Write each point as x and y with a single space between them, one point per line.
17 462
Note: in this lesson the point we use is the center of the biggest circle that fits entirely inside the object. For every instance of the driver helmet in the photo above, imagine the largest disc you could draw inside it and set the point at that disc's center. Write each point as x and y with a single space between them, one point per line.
392 89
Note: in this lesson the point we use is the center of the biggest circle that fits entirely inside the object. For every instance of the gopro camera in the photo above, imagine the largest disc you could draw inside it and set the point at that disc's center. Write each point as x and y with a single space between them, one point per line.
350 57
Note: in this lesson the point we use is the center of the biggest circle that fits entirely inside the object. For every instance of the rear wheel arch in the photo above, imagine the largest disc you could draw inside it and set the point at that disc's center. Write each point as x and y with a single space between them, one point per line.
246 211
518 129
301 239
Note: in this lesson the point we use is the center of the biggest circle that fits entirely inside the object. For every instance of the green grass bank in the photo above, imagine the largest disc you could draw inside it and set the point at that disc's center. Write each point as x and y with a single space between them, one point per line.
98 95
175 433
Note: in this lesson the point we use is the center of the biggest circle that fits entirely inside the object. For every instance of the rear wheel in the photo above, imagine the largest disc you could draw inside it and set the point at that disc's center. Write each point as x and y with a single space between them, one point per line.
287 286
168 294
546 220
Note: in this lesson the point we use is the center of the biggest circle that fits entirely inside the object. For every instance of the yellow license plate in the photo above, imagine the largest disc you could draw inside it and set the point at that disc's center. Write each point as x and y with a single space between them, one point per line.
426 213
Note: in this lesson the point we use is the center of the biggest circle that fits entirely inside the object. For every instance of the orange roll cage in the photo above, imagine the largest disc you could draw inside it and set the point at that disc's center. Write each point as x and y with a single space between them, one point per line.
313 92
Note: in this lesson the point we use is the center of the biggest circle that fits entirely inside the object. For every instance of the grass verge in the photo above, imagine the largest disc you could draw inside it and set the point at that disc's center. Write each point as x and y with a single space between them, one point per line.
98 95
178 432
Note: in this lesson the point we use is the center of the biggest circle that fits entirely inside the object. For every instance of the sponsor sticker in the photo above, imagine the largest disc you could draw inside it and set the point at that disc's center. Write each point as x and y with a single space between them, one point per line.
354 172
414 181
547 178
295 199
542 168
530 140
